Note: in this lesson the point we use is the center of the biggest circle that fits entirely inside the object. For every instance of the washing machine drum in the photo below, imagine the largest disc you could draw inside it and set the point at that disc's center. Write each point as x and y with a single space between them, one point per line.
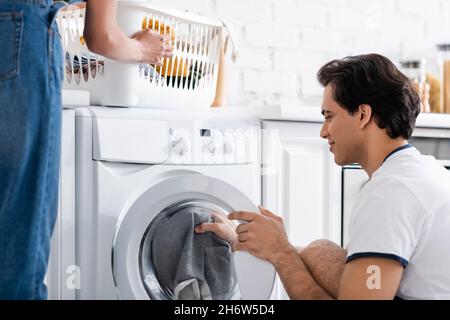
158 255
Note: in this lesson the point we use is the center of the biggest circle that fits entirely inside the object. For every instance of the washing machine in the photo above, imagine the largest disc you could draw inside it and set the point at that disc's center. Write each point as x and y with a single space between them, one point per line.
145 179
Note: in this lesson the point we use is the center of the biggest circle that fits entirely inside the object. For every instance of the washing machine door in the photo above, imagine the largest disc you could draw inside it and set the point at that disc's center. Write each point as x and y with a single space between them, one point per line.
157 255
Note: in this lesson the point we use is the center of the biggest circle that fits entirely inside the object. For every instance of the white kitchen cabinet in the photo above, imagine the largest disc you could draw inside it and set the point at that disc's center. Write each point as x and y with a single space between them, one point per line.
301 182
61 267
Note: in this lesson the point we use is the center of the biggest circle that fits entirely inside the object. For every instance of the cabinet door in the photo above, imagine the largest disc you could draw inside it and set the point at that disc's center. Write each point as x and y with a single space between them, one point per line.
305 189
301 182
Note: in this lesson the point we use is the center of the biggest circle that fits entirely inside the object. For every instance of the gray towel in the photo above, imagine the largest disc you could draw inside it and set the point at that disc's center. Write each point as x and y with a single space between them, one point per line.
189 265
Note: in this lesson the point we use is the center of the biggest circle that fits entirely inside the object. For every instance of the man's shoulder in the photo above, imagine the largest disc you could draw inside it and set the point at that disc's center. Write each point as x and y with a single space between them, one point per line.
386 194
420 189
414 171
386 185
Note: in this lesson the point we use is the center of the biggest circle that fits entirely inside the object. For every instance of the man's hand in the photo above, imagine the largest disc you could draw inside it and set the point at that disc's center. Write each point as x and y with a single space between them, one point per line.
221 227
263 235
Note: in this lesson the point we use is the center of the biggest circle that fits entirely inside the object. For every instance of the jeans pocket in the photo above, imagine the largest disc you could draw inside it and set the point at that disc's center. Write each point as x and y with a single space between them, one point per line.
11 26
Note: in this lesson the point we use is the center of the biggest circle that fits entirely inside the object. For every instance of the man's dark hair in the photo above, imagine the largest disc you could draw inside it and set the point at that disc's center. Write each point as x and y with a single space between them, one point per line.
374 80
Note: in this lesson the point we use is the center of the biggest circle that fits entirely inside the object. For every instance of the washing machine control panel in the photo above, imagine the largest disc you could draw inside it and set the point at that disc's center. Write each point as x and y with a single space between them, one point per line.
212 145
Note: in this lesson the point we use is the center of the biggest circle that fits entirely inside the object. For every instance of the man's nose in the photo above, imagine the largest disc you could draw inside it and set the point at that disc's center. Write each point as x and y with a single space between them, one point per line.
324 131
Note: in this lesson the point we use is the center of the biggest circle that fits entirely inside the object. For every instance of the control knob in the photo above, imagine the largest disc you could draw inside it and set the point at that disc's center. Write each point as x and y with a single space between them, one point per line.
181 146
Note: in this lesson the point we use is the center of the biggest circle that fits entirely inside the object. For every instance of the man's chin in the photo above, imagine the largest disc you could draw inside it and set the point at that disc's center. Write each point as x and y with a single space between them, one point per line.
341 162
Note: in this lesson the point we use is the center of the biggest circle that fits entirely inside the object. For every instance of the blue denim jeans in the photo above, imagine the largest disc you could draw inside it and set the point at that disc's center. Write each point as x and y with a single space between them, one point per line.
31 73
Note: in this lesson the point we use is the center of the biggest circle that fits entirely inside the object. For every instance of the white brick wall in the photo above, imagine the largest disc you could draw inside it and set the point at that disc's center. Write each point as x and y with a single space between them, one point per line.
270 34
259 9
300 13
269 81
282 43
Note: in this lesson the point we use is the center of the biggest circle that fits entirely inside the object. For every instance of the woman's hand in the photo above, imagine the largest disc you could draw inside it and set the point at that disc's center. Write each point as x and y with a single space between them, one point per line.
221 227
153 46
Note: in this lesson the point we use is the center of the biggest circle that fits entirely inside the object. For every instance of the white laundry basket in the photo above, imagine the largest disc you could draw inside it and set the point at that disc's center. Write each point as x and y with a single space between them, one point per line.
186 81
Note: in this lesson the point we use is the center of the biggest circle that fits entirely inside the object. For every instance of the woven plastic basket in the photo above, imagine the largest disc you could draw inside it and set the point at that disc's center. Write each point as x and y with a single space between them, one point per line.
186 81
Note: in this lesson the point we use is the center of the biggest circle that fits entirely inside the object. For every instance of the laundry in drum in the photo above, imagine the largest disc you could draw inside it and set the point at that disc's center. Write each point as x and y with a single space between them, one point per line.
192 266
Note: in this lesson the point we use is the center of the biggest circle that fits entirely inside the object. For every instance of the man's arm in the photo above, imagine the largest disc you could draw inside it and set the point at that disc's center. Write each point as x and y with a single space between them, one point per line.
363 278
371 278
296 278
264 236
325 261
316 272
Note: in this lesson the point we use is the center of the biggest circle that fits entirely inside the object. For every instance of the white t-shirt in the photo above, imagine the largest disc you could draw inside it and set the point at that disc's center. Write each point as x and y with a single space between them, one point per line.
403 213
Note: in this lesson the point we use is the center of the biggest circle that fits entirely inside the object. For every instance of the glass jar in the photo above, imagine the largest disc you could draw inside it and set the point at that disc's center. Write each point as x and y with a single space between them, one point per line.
438 76
444 64
415 70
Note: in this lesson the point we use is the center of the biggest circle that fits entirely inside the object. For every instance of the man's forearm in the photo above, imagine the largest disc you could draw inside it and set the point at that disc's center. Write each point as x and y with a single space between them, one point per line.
296 279
325 261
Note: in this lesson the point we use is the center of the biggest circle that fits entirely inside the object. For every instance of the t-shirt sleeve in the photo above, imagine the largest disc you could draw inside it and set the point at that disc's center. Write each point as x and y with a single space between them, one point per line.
386 221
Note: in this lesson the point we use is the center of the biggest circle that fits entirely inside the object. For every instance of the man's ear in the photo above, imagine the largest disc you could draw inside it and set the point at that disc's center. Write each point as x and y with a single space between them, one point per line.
364 116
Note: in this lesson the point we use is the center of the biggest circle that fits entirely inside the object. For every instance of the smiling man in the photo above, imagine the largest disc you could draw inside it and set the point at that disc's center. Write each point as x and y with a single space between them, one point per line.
400 228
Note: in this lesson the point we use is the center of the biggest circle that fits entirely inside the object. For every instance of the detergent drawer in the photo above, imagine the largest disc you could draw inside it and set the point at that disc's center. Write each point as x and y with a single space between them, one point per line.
130 140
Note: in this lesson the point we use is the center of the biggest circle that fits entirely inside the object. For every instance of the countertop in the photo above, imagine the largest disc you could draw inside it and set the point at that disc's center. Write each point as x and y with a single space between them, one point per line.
283 112
312 114
274 112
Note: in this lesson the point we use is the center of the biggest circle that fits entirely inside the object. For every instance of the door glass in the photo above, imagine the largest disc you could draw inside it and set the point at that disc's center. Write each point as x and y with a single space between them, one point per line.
179 264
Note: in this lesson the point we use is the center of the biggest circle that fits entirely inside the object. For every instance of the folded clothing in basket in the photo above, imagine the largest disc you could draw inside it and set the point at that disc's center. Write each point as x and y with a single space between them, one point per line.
179 69
189 82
